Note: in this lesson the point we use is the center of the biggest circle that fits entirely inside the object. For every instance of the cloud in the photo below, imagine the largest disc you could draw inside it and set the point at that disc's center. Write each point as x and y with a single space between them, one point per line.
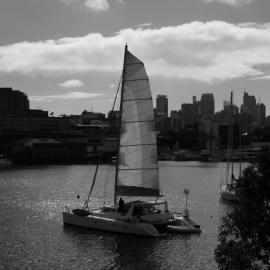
230 2
144 25
199 51
71 84
70 95
265 77
94 5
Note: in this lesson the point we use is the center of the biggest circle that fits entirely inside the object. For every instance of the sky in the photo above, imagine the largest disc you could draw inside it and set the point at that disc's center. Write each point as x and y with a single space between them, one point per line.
67 55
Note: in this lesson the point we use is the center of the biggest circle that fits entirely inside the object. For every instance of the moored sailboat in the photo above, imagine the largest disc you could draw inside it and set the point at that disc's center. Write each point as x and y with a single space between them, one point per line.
137 172
229 191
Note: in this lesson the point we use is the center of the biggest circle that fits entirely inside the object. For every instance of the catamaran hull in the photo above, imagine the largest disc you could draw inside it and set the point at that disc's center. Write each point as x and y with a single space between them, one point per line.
106 224
183 225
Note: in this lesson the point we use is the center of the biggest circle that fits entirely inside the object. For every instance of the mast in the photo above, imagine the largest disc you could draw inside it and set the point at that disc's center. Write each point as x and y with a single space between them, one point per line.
119 127
231 136
240 153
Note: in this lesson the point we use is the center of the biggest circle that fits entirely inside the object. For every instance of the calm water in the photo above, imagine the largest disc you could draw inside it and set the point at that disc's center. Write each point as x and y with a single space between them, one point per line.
32 235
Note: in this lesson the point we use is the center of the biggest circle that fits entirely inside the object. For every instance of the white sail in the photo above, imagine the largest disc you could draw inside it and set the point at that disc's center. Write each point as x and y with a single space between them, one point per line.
137 170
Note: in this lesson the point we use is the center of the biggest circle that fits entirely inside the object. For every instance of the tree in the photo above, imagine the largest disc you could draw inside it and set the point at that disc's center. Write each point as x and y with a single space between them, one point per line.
245 233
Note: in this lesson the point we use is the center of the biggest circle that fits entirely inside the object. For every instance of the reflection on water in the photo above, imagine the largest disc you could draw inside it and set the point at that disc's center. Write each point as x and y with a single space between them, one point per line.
32 235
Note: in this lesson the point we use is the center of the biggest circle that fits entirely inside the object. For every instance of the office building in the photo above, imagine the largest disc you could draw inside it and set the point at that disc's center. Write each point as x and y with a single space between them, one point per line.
207 104
162 105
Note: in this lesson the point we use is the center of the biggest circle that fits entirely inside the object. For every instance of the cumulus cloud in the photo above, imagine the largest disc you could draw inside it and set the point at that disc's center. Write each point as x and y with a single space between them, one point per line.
70 95
71 84
200 51
94 5
230 2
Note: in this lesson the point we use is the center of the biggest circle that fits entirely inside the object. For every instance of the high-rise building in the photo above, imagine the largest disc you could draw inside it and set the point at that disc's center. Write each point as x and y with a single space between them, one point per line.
13 102
176 121
162 105
207 104
261 115
189 113
249 101
249 106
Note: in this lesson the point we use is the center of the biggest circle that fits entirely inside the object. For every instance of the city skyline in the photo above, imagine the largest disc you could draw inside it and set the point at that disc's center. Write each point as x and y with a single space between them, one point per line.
15 102
67 55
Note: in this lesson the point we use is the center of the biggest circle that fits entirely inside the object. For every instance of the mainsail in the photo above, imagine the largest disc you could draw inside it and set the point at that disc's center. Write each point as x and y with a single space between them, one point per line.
137 166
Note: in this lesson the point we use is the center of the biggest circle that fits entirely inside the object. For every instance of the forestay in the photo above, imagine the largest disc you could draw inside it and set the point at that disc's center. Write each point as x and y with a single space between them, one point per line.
138 164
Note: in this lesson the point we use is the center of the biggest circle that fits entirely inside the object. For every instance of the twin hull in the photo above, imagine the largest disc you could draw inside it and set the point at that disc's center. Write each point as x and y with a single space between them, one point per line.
107 224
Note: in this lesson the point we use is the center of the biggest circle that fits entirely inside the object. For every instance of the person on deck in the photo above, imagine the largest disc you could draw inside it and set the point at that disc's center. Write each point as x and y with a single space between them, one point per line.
121 205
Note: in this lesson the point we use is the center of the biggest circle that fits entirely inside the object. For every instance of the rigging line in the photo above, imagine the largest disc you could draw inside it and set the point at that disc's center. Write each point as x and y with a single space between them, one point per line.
106 185
117 92
93 183
87 174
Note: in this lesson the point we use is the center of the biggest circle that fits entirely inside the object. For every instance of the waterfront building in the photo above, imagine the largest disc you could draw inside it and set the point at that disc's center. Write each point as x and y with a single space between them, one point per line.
92 118
22 127
13 102
48 150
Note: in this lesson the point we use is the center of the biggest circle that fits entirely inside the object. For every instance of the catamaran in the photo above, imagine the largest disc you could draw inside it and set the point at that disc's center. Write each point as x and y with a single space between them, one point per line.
137 172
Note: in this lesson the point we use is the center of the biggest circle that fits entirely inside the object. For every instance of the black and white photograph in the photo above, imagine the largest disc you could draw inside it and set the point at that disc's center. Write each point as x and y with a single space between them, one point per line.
135 135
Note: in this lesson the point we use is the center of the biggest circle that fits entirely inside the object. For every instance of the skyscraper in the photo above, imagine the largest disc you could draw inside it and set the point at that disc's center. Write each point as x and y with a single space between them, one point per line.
261 115
249 101
249 106
189 113
207 104
162 105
